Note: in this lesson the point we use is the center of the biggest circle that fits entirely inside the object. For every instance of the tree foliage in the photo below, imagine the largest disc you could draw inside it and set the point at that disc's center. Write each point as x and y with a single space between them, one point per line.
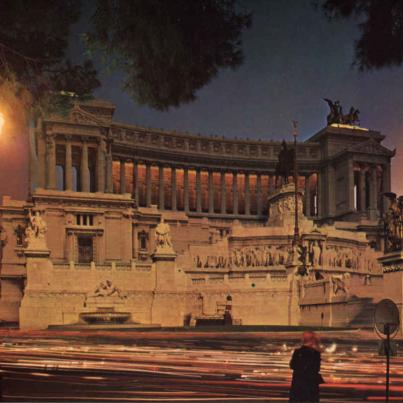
381 26
168 49
33 44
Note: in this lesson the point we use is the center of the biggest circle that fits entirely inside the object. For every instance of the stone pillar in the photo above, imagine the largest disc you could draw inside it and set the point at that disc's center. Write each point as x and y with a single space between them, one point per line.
350 185
386 177
109 178
373 194
186 189
101 166
235 192
307 195
161 194
148 185
122 176
259 194
51 162
173 188
319 194
136 183
361 188
198 191
247 194
69 165
331 185
210 192
223 194
272 184
85 174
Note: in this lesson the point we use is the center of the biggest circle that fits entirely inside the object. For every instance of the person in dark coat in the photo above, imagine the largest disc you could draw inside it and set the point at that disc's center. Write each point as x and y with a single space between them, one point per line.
305 363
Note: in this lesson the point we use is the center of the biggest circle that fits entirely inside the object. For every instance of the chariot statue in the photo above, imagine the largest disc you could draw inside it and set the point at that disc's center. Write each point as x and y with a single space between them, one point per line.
336 114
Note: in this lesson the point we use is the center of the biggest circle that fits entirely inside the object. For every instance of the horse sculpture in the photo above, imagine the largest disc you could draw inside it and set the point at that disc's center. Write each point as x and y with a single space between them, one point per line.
336 114
285 163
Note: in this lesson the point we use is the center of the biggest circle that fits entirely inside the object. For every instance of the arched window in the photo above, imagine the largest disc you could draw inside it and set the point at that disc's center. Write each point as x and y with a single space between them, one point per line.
60 184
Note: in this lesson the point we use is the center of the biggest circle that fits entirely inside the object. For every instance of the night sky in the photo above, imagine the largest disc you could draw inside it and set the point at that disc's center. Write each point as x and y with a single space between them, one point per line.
294 57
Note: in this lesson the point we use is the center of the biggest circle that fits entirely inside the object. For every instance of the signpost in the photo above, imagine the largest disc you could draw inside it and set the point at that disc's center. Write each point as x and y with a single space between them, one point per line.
387 322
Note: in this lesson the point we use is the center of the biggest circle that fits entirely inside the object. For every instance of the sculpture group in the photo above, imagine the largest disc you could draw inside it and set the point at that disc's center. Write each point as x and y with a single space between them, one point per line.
394 223
336 114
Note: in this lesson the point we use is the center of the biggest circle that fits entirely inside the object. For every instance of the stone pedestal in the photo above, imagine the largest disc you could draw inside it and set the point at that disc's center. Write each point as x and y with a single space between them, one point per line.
34 311
393 279
167 304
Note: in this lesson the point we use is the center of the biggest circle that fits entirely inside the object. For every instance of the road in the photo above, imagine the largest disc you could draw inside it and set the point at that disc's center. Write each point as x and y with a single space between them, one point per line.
163 366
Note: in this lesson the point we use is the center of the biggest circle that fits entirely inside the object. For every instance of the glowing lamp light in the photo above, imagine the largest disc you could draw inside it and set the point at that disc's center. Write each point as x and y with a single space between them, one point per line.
2 121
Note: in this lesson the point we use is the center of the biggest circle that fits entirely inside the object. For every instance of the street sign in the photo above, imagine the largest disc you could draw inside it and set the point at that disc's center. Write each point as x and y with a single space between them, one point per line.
387 323
387 317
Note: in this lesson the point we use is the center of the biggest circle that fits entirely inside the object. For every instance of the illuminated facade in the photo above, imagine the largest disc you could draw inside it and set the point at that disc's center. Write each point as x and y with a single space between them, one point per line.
103 186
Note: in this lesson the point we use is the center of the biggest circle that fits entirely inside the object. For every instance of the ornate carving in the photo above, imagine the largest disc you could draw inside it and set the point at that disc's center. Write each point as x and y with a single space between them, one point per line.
107 289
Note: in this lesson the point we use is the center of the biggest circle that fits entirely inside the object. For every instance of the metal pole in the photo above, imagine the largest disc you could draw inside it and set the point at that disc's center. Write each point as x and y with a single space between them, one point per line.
387 351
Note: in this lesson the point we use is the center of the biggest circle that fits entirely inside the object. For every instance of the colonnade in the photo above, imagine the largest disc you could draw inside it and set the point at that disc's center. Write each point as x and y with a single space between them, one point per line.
214 205
361 187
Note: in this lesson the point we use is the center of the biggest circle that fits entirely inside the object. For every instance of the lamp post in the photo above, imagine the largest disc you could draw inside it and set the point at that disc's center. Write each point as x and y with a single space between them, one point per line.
296 228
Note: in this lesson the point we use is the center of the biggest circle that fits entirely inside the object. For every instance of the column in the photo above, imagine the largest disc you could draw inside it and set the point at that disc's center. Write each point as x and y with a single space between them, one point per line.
173 188
319 194
259 194
331 185
247 194
101 166
272 184
308 195
223 193
373 193
386 177
109 178
85 177
235 192
210 192
69 165
198 191
350 185
386 186
122 176
51 162
361 188
136 183
148 185
161 201
186 189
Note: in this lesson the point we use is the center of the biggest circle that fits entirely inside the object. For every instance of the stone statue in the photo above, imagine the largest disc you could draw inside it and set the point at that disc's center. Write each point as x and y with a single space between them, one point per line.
163 237
316 253
336 114
285 163
36 231
107 289
394 224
